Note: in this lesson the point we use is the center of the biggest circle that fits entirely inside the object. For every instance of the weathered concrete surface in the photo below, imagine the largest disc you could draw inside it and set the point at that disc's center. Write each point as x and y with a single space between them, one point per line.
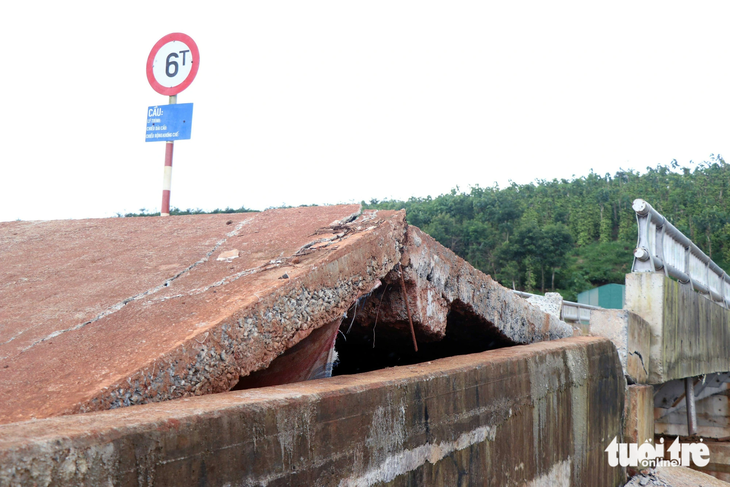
639 414
690 333
98 314
719 466
631 335
538 415
675 477
441 285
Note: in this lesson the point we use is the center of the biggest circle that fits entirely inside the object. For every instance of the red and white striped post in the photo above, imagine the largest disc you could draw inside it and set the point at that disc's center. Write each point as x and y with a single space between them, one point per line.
171 66
167 177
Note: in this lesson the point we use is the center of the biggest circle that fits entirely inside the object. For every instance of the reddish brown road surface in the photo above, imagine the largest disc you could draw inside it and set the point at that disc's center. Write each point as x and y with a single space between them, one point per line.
103 313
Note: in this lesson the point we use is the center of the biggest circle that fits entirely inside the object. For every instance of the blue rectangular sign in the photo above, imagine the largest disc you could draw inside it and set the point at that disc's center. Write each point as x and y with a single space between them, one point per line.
169 122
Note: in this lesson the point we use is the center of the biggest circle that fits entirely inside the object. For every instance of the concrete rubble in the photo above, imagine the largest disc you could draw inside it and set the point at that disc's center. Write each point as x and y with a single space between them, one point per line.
101 314
551 303
674 477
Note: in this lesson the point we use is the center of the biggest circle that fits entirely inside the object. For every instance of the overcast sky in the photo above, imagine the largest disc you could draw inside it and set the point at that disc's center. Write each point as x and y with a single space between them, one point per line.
333 102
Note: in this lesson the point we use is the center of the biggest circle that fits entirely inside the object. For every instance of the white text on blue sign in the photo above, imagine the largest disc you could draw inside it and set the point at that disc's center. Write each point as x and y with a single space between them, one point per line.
169 122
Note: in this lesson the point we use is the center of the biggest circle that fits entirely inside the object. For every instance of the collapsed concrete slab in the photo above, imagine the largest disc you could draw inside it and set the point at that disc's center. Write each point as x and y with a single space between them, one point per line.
440 283
100 314
453 308
539 415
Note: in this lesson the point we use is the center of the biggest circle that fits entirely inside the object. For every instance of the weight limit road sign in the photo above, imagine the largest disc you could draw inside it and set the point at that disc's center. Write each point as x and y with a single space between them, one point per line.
173 64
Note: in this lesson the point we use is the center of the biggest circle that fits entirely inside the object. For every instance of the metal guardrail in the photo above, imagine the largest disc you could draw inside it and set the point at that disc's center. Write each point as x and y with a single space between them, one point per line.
570 311
576 311
661 247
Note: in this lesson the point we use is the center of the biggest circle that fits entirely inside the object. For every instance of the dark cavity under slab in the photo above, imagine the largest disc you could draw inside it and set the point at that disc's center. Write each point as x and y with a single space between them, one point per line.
367 346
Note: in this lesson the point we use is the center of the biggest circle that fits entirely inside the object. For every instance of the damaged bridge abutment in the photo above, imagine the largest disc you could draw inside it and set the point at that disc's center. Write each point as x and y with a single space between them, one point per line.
539 414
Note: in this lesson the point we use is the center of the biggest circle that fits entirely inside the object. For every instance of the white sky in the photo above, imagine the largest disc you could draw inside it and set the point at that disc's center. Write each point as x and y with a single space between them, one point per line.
301 102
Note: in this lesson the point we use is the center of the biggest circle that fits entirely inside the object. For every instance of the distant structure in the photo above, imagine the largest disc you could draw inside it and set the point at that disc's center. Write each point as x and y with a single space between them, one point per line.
609 296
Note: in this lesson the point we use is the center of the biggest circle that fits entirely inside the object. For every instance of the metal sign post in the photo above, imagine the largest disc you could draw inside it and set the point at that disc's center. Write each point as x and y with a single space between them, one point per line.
167 176
171 67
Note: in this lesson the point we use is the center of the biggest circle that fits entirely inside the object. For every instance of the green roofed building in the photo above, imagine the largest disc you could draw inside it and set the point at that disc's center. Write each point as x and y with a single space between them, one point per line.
610 296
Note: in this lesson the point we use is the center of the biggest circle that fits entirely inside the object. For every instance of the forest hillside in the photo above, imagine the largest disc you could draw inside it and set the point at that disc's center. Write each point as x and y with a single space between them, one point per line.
573 235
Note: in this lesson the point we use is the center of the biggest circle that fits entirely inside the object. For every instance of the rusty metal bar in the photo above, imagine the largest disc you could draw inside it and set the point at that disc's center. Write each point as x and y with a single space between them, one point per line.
689 395
408 308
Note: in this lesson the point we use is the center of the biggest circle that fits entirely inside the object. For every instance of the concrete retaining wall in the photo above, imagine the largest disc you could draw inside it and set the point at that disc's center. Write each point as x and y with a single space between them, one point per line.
538 415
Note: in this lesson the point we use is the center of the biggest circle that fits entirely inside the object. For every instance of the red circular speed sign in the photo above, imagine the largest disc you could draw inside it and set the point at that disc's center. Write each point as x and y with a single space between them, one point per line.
173 64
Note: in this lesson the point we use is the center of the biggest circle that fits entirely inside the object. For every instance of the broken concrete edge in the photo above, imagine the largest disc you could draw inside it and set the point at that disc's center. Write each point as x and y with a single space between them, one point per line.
443 278
348 218
360 429
551 303
245 337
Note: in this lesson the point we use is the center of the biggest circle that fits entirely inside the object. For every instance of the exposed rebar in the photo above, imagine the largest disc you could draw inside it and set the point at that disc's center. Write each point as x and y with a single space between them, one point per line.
408 309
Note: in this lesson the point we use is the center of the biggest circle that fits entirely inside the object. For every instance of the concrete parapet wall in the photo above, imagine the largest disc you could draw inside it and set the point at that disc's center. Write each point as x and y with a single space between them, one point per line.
639 415
631 335
689 333
539 414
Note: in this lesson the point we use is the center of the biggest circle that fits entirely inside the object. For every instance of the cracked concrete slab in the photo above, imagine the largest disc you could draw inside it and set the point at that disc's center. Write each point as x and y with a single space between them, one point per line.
443 289
101 314
98 314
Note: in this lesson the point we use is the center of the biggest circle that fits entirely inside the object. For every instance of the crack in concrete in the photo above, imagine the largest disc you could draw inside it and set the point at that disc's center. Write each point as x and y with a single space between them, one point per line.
641 359
273 264
113 309
348 218
303 249
222 282
16 336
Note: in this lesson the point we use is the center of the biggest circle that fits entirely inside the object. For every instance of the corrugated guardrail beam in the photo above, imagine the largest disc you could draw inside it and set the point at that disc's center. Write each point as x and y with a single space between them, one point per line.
661 247
570 311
